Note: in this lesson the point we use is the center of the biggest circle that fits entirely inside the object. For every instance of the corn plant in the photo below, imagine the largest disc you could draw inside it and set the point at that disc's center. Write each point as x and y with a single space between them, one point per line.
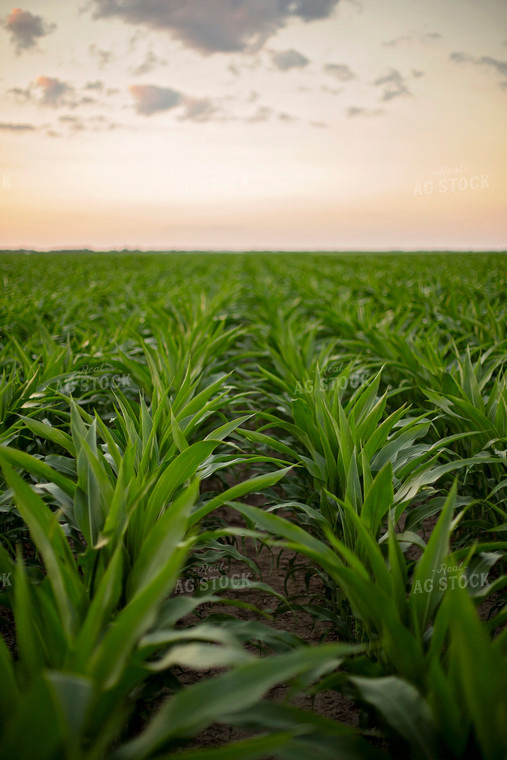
141 394
407 618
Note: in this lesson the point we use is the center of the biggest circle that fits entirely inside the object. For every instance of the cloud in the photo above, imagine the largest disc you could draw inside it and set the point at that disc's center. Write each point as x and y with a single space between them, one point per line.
240 64
420 37
199 109
368 113
499 67
263 113
332 90
461 58
22 94
150 62
26 29
98 85
312 10
75 124
340 71
9 127
69 123
216 25
398 40
104 57
394 85
287 118
289 59
56 93
150 99
68 119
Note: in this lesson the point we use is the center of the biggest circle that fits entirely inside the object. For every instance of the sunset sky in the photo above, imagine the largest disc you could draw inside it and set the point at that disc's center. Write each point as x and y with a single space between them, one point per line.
253 124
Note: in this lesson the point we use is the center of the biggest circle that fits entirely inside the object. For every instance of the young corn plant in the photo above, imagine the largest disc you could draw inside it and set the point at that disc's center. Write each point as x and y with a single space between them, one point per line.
183 348
232 366
415 622
360 459
87 652
26 380
476 403
120 488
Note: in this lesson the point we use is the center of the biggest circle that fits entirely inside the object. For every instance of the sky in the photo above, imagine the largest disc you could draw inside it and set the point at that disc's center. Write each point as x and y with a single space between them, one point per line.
253 124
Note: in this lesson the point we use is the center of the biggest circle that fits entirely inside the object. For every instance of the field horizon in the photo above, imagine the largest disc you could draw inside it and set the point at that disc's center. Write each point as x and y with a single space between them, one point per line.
290 252
253 506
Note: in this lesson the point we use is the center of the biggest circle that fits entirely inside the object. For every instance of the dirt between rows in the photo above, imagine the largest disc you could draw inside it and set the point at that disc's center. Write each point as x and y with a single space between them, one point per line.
274 566
277 571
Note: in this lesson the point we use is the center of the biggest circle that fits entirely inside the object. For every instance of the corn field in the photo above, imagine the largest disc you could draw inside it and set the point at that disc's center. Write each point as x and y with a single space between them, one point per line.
199 452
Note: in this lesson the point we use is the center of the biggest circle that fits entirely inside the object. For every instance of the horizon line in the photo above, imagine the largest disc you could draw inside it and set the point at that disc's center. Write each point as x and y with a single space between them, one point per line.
338 251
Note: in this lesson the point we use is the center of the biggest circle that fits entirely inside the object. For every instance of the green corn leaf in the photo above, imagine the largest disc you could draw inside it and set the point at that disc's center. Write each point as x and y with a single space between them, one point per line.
50 433
426 590
38 468
197 706
247 486
401 705
49 539
378 500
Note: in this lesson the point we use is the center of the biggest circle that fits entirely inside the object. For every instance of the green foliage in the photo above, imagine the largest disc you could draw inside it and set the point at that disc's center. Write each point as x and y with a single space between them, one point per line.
141 395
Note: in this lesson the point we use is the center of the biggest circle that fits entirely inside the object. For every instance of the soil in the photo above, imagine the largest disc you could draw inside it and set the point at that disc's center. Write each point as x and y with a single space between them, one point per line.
274 566
274 570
